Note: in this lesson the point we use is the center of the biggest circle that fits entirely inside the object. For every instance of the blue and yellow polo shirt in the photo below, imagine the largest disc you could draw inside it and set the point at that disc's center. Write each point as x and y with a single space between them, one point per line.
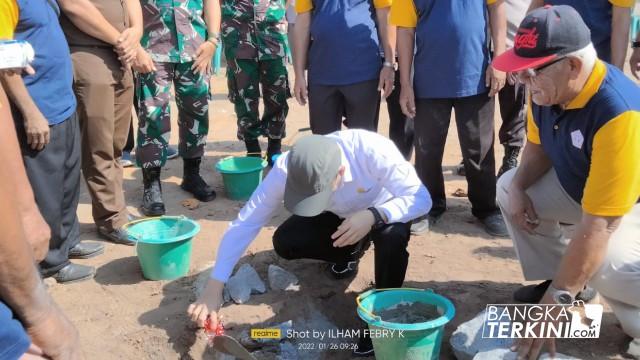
8 18
452 45
597 15
345 49
594 144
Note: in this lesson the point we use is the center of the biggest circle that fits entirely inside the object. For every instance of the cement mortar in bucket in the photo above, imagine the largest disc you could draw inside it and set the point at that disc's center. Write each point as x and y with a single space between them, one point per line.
404 341
163 245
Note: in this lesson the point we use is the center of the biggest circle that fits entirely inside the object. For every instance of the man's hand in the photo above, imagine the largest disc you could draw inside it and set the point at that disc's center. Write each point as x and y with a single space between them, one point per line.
634 62
37 129
495 80
521 210
204 54
530 349
353 229
38 233
408 101
207 305
128 44
300 90
387 77
143 64
55 336
18 71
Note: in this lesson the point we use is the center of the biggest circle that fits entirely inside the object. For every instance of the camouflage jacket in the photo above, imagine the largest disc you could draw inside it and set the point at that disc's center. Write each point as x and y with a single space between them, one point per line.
254 29
173 29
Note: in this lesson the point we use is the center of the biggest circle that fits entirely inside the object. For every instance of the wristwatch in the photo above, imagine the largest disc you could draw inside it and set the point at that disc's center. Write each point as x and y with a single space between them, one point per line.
214 38
378 221
561 297
389 64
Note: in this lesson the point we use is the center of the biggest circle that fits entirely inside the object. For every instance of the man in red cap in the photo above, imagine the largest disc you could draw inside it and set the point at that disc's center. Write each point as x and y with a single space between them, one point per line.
579 167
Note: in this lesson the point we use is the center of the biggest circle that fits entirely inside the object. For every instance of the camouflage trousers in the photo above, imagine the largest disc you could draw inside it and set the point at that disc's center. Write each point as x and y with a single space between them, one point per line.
245 77
154 127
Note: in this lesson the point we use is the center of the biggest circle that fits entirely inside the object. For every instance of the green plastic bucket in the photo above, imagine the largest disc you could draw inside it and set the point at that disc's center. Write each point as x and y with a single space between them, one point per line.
419 341
241 175
163 245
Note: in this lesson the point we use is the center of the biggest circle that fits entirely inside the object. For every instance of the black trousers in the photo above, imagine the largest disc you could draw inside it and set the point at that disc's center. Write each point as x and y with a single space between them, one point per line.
359 103
474 120
54 174
400 126
513 111
310 238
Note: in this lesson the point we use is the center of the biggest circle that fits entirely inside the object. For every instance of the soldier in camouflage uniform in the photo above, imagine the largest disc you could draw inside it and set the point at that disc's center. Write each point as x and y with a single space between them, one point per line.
179 45
254 37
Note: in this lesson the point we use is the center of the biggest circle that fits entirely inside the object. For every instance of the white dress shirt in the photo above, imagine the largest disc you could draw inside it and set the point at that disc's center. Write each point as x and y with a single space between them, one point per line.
376 174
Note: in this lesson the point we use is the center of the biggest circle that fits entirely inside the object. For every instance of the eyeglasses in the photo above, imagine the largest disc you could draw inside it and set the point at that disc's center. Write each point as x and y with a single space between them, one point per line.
529 74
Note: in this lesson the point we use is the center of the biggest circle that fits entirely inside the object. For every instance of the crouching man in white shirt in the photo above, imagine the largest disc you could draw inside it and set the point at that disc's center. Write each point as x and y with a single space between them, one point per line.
345 190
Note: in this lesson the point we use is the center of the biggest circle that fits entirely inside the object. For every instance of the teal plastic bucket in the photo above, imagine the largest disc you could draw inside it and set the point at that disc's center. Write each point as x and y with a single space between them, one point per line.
163 245
241 175
419 341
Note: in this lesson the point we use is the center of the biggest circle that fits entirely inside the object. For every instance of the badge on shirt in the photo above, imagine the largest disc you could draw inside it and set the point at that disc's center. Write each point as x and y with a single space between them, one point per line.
577 139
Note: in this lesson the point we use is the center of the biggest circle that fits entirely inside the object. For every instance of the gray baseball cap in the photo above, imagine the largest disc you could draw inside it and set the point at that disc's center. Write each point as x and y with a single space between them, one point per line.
313 164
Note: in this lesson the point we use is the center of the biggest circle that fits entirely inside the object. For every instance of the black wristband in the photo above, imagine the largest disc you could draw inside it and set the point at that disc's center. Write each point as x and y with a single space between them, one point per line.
378 221
635 44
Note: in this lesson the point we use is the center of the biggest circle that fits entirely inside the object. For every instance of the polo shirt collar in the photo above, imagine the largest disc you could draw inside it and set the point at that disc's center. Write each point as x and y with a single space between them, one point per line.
590 88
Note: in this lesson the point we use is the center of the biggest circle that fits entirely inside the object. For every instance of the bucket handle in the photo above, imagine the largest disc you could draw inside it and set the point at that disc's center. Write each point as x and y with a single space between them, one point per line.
369 292
125 226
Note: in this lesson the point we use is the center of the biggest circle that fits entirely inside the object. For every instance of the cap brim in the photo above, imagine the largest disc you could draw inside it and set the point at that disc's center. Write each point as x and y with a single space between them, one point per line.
510 62
307 206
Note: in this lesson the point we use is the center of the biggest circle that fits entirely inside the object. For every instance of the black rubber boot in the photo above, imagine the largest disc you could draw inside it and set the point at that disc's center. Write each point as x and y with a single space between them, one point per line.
253 147
510 159
274 148
152 204
192 181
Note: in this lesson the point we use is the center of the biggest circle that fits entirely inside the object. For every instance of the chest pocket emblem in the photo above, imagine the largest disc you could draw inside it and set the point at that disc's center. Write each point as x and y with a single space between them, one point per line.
577 139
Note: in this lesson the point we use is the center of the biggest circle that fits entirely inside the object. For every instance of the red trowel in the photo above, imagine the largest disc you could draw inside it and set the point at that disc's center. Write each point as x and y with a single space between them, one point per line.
225 343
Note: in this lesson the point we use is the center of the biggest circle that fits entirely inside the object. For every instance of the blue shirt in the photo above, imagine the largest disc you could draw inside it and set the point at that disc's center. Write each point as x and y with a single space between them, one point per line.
452 50
51 86
345 48
14 340
594 143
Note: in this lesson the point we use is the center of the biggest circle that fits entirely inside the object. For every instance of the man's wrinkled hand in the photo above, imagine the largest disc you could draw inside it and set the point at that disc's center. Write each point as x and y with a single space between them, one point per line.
300 90
408 101
143 64
521 210
128 44
494 80
387 78
204 54
37 129
353 229
56 336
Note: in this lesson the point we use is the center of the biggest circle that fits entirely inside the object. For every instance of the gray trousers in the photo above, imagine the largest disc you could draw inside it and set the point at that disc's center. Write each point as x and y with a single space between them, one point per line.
617 280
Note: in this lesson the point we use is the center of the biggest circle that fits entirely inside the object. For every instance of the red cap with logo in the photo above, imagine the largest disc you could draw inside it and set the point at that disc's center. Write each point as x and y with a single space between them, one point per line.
544 35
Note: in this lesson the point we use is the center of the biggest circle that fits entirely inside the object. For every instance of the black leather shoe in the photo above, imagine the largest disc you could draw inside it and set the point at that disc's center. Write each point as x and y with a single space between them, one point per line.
364 347
74 273
117 236
86 250
495 226
192 181
152 203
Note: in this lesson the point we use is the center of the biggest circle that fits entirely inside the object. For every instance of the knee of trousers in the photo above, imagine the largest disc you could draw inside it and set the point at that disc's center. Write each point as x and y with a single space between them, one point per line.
282 243
392 239
502 188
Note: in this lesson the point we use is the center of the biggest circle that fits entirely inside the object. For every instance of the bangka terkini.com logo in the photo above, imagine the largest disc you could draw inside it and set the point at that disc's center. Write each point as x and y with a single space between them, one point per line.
516 321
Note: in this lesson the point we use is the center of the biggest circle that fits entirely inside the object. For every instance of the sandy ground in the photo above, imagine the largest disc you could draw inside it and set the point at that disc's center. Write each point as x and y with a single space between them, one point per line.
120 315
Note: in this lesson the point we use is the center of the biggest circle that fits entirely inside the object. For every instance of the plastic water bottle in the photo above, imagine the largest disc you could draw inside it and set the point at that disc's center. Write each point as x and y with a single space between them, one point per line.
15 54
